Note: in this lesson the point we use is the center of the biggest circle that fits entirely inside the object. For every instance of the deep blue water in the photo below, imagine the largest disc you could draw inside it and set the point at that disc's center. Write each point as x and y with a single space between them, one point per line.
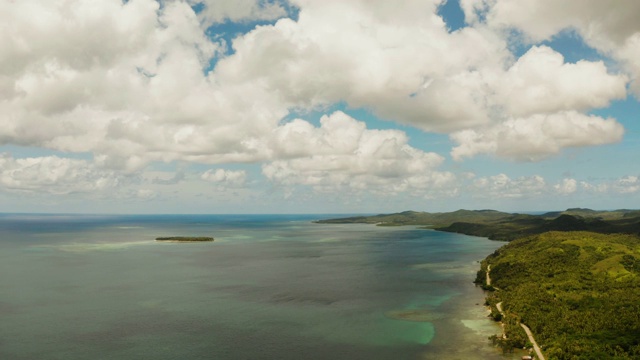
269 287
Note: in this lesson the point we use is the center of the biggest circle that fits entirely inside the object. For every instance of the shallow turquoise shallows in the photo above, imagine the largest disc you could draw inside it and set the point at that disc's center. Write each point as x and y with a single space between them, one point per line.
268 287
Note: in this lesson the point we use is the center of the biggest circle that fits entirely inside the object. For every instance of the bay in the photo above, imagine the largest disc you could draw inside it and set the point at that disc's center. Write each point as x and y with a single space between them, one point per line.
269 287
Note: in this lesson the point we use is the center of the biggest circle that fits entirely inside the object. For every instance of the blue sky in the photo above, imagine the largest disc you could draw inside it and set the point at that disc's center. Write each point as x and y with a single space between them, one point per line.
309 106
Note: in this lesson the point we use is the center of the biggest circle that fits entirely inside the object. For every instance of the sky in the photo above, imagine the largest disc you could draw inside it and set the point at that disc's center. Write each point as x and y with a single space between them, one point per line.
318 106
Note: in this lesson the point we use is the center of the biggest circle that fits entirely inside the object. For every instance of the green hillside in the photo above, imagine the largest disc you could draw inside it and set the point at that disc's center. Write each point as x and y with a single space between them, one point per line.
498 225
422 218
579 292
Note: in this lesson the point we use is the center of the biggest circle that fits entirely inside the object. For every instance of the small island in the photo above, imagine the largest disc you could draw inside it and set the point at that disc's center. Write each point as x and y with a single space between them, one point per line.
184 239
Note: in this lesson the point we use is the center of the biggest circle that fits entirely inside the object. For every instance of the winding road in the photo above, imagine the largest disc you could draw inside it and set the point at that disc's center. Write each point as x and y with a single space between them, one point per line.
533 341
499 307
536 348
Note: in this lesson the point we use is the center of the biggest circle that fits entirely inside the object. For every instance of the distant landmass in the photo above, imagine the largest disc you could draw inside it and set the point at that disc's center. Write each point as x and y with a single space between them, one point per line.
184 238
498 225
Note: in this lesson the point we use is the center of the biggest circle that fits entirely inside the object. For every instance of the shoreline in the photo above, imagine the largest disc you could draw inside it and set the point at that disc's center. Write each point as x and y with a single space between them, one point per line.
535 348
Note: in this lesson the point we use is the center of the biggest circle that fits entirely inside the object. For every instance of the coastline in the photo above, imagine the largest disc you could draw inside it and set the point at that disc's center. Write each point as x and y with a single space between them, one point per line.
577 292
575 269
502 340
468 325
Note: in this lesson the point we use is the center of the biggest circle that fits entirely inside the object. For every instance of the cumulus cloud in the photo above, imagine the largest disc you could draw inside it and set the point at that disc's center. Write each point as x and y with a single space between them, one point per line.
401 61
541 19
54 175
440 81
536 137
225 177
502 186
541 82
136 92
218 11
566 187
594 188
627 185
145 194
343 154
612 30
129 82
142 81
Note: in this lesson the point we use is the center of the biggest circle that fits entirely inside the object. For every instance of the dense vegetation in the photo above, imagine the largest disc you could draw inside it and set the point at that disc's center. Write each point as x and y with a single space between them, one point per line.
185 238
423 218
579 292
505 226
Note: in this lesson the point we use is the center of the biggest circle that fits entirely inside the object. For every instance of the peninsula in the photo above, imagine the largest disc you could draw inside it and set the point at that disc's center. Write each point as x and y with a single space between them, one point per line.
568 281
184 239
577 292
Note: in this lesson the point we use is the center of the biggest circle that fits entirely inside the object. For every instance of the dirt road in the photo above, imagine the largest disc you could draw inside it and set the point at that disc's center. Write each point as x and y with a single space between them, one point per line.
536 348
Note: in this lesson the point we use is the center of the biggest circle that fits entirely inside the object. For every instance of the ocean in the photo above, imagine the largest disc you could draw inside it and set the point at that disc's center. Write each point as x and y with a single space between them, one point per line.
268 287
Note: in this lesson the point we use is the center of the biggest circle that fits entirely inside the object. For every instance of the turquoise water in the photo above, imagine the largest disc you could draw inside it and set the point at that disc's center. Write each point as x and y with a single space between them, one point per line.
269 287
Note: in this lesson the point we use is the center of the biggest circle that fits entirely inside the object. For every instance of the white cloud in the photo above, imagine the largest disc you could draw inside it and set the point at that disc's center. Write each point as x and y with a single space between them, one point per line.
543 100
225 177
541 82
146 194
626 185
629 54
441 81
129 83
218 11
140 100
55 175
398 60
566 187
611 28
536 137
541 19
343 154
502 186
601 188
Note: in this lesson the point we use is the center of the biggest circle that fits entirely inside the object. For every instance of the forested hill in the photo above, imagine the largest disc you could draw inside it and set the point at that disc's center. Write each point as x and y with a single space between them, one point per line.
579 292
498 225
423 218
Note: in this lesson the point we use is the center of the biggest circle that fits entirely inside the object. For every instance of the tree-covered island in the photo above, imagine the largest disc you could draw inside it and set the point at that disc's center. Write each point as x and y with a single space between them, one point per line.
184 239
